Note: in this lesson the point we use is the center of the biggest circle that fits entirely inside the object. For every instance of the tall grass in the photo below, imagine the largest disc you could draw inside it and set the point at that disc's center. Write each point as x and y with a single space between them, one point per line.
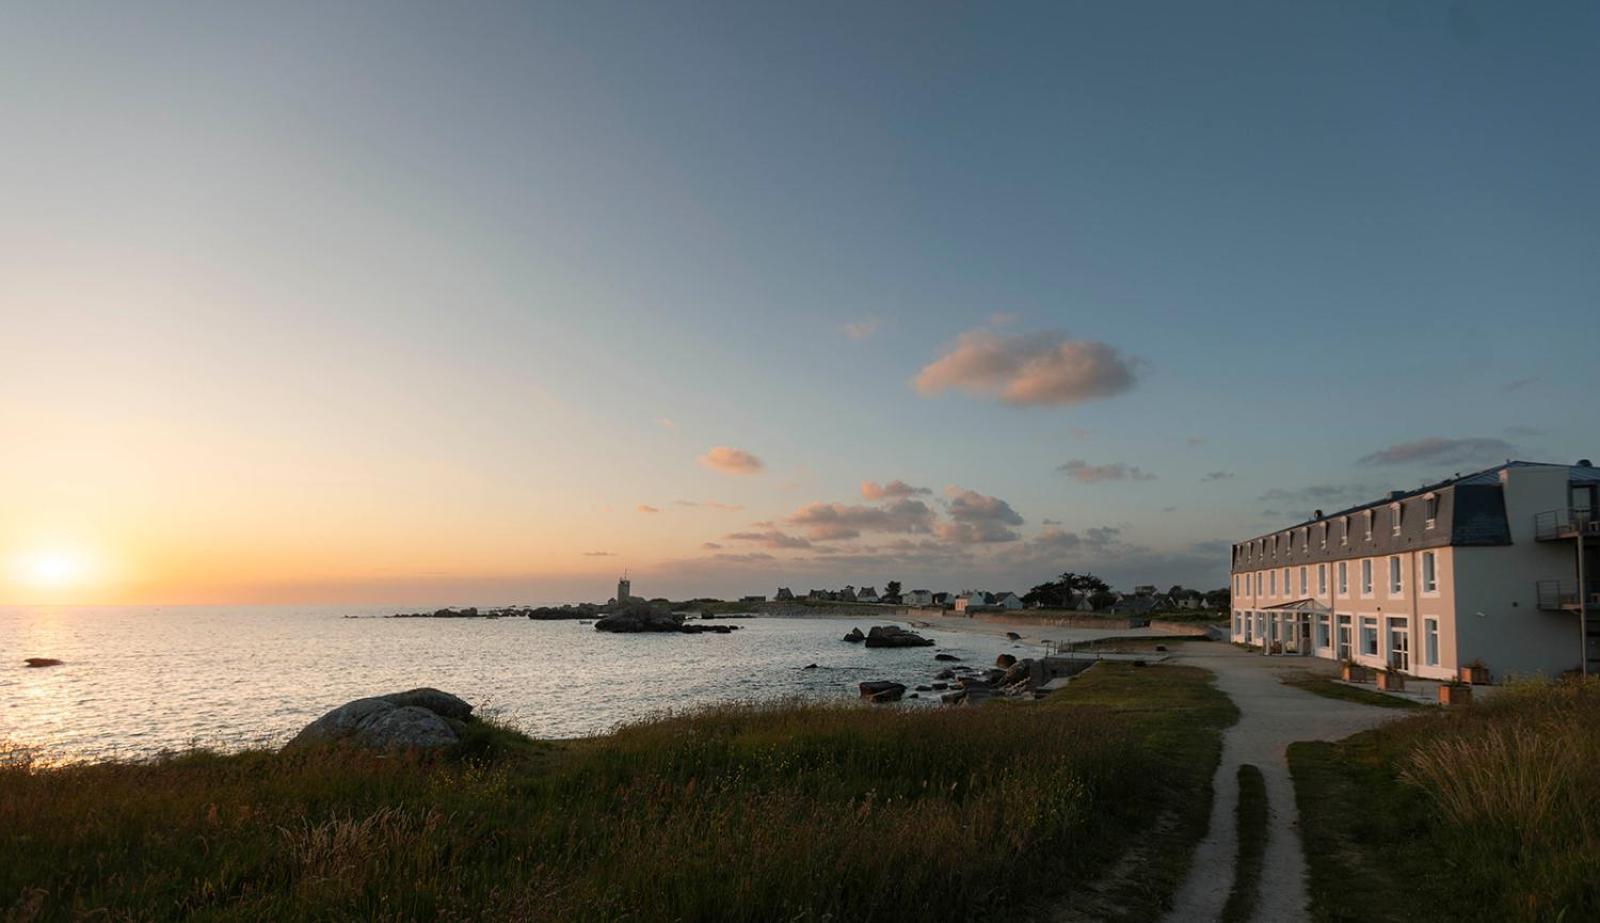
791 812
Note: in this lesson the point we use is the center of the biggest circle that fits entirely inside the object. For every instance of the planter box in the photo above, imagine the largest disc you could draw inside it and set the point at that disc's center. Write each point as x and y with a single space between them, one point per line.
1455 695
1477 676
1391 682
1355 674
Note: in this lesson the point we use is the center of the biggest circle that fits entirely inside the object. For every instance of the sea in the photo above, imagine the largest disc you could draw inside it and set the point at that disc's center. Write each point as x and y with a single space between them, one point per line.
138 681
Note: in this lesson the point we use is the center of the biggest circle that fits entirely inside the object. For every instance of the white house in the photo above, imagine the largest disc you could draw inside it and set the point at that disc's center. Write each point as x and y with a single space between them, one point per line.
917 598
971 599
1007 600
1499 566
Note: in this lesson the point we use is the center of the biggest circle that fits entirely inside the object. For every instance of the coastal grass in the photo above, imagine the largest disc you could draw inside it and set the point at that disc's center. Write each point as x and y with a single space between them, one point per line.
1328 689
773 812
1251 818
1489 811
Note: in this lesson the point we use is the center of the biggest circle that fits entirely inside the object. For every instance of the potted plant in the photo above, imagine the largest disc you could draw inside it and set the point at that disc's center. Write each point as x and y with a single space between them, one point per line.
1476 673
1455 692
1391 680
1277 647
1352 672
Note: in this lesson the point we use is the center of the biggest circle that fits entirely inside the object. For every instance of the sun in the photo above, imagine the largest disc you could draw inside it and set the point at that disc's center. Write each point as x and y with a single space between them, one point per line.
51 568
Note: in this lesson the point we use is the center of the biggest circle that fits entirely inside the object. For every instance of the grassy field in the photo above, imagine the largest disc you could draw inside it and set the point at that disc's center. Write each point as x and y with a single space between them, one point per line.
797 812
1486 812
1328 689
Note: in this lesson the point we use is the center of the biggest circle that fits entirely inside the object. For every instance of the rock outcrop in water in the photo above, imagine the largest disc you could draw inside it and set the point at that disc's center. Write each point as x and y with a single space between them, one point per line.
415 719
895 636
41 662
634 616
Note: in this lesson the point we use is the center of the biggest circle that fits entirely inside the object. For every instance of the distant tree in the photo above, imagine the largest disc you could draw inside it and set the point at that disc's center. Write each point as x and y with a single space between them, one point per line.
1219 599
1102 599
892 588
1058 593
1177 592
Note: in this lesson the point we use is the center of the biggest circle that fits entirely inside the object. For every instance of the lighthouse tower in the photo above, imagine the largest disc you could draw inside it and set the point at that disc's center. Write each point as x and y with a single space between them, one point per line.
624 588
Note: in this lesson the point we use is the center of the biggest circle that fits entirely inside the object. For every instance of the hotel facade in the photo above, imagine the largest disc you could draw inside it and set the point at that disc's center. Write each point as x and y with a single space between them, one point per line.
1500 567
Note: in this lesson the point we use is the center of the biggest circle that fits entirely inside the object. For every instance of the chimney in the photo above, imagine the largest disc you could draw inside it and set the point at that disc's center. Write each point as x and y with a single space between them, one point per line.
1317 514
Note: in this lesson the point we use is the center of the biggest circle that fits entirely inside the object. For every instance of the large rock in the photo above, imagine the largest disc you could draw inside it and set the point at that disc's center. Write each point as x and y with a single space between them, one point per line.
416 718
1004 660
632 617
947 658
1017 672
41 662
855 636
882 691
895 636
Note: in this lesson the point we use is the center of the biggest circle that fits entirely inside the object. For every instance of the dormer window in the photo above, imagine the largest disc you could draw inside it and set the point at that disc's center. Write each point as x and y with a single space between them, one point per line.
1369 525
1344 530
1430 505
1324 538
1396 511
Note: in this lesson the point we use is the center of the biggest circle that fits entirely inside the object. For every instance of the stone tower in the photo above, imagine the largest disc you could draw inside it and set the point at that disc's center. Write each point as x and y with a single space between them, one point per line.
624 589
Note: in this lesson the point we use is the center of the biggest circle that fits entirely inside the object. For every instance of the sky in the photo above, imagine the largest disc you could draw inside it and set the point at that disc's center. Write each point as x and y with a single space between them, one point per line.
486 303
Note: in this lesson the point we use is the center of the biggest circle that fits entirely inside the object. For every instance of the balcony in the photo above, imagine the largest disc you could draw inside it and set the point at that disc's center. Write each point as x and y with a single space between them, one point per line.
1563 596
1563 524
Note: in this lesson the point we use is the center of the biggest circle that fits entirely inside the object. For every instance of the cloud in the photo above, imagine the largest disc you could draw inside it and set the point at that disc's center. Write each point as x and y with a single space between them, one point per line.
646 508
709 505
1028 371
729 460
1193 441
1217 476
978 518
599 554
831 521
1320 493
754 557
1522 429
1003 318
1440 451
770 539
710 546
872 490
1518 384
861 329
1080 470
666 423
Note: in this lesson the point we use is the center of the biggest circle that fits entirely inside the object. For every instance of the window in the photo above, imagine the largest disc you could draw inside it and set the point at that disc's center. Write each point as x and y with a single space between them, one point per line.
1322 631
1305 538
1430 642
1369 525
1344 530
1236 624
1344 578
1369 637
1430 574
1430 506
1286 590
1272 583
1394 575
1324 536
1366 576
1322 578
1304 587
1274 546
1396 512
1343 651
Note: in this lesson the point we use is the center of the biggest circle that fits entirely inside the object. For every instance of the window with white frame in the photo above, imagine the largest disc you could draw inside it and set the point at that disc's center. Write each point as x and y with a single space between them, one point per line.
1304 586
1369 525
1396 513
1258 583
1286 588
1322 578
1272 583
1323 539
1369 636
1322 632
1430 642
1394 575
1344 578
1366 576
1344 530
1430 506
1430 573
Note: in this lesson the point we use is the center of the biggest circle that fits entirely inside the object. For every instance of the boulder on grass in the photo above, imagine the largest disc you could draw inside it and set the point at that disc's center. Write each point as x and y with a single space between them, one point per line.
414 719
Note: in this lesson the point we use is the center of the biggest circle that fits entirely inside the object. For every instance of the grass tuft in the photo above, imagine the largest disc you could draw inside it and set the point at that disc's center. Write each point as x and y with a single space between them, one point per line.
1252 815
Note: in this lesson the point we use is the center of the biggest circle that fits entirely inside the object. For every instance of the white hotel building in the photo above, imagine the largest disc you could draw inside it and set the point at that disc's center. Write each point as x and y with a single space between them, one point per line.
1501 566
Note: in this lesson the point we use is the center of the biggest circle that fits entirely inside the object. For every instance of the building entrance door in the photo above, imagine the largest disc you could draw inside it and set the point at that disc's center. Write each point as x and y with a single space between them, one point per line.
1399 645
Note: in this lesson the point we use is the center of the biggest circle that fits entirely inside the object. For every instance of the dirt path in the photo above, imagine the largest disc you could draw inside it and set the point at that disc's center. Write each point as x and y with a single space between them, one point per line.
1272 716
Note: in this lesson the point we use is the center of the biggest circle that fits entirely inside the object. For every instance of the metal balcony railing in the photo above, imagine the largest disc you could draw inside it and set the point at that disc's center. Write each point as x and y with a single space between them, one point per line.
1565 523
1563 596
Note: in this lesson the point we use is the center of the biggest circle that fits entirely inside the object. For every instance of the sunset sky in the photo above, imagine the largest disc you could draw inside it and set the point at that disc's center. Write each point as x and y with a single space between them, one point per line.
484 303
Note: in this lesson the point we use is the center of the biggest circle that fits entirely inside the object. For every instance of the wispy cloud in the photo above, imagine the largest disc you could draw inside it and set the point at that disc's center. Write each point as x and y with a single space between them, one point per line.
709 505
1217 476
1518 384
1003 318
1438 450
770 539
599 554
872 490
666 423
1194 441
646 508
729 460
1045 369
1080 470
710 546
830 521
861 329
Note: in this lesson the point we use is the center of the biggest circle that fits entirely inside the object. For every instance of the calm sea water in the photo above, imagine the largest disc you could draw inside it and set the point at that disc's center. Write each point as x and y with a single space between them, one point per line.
139 680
